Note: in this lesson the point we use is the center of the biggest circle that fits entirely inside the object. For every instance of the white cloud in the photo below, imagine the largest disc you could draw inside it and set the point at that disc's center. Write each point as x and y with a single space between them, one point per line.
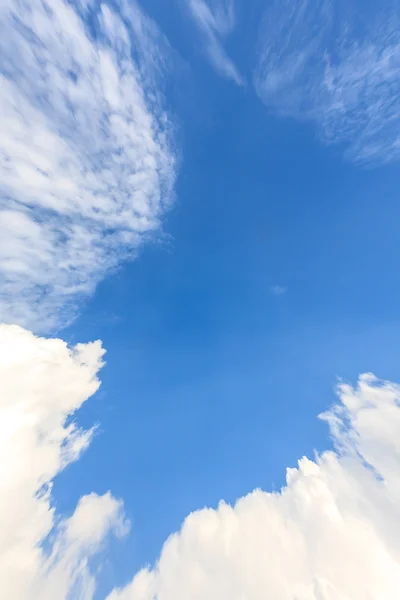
87 168
87 164
216 20
333 533
42 384
328 63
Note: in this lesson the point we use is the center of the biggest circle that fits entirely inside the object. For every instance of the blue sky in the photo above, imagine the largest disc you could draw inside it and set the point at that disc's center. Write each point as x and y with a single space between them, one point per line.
271 273
213 382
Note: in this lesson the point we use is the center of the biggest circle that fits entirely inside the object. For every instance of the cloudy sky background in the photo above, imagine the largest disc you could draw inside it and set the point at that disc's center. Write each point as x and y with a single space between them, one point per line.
210 189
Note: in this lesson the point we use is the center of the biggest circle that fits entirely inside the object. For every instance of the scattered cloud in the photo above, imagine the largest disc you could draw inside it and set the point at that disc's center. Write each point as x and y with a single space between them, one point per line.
332 532
278 290
42 384
216 20
87 163
336 66
87 169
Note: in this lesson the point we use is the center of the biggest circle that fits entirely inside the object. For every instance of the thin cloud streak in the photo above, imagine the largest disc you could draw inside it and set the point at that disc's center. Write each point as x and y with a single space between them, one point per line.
321 62
216 21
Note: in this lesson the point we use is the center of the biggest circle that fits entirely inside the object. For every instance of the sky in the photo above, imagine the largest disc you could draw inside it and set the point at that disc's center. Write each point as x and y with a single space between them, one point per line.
199 300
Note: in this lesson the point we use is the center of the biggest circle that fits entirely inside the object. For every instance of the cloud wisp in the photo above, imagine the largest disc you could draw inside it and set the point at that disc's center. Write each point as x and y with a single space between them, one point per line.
42 384
278 290
332 532
87 163
216 21
337 67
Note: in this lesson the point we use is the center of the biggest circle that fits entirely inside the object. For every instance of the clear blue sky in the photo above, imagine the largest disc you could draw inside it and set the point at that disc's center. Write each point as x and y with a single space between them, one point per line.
276 273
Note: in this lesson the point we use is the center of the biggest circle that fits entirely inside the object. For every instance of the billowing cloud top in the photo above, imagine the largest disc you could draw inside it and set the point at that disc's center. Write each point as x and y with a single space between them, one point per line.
331 534
326 62
86 159
42 384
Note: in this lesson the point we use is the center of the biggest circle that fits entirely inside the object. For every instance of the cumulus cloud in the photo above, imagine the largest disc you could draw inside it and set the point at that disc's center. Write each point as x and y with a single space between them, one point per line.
338 67
87 163
42 384
332 533
216 20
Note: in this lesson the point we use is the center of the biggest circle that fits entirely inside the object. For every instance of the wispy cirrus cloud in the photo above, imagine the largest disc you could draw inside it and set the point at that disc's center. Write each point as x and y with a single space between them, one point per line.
338 67
332 532
87 162
216 20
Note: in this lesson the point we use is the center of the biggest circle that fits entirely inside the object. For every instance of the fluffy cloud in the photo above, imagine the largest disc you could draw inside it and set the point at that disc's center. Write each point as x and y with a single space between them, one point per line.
332 533
86 157
42 384
216 20
336 66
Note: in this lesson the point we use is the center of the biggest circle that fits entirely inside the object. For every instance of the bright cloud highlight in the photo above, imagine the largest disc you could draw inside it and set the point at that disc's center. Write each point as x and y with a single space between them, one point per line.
332 533
87 165
42 384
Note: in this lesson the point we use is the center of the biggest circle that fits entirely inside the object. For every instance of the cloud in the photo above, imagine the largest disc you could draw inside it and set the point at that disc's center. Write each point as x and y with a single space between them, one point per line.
216 20
87 162
337 67
42 384
278 290
332 533
87 169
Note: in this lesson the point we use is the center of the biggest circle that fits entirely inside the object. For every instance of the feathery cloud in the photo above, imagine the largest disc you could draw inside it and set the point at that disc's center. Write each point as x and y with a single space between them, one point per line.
332 532
328 64
87 163
216 20
42 384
